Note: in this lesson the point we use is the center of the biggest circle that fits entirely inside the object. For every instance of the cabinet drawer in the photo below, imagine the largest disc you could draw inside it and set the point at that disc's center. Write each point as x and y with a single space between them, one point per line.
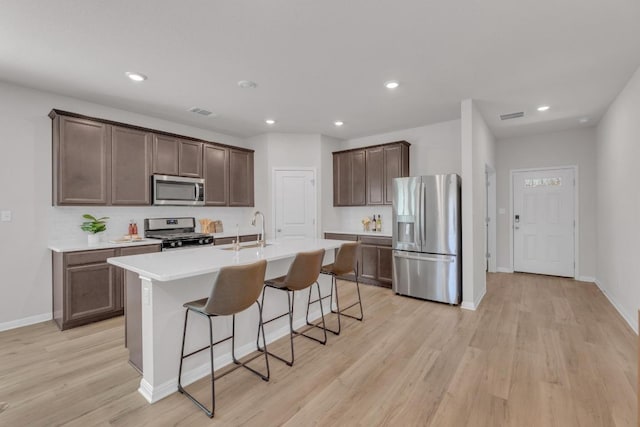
137 250
377 241
336 236
223 240
249 238
89 257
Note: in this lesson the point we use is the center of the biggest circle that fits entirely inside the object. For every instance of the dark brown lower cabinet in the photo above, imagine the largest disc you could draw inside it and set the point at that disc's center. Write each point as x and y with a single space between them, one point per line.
375 261
229 240
86 288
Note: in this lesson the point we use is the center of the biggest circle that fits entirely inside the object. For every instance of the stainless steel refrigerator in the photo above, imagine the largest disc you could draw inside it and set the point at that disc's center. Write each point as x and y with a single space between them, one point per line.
427 238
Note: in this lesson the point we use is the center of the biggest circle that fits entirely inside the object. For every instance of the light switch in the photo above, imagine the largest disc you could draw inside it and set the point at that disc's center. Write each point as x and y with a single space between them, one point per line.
502 211
5 216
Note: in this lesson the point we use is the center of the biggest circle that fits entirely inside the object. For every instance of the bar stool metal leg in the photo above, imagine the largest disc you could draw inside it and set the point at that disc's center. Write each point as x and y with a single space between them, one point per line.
291 331
182 357
359 302
324 326
233 347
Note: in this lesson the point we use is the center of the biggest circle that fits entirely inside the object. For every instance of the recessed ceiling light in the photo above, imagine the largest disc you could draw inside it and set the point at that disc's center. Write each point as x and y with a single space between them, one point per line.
338 123
543 108
136 77
247 84
270 122
584 120
391 84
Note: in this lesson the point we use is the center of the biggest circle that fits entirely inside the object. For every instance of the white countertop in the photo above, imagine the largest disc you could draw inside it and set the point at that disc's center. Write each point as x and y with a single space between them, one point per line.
82 245
383 233
173 265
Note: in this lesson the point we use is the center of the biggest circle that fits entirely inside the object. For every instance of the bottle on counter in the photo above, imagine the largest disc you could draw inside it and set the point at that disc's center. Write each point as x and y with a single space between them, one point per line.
379 223
133 229
373 223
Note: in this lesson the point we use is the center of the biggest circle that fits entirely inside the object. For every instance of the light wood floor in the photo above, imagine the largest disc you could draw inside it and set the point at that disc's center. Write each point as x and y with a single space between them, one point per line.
540 351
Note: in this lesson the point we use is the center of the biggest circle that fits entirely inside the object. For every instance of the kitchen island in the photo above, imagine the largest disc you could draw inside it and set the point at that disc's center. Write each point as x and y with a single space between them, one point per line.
158 284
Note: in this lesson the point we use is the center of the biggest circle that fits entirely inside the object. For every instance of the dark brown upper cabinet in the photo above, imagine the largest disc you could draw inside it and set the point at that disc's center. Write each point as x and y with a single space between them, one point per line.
130 166
364 176
396 165
173 156
240 178
375 176
81 161
102 162
190 159
166 152
349 178
216 175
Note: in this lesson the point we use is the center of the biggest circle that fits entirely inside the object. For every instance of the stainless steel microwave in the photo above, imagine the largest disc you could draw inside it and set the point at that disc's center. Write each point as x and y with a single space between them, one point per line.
177 190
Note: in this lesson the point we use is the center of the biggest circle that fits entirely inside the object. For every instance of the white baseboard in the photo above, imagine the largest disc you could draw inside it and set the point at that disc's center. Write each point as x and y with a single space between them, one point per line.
629 319
468 305
473 306
154 394
586 279
504 270
26 321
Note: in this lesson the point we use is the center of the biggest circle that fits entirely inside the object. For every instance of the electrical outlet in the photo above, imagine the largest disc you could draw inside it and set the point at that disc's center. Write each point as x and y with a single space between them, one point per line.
146 296
5 216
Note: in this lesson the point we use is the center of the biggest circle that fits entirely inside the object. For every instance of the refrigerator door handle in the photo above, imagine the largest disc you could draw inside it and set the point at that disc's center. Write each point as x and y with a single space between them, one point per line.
420 228
420 258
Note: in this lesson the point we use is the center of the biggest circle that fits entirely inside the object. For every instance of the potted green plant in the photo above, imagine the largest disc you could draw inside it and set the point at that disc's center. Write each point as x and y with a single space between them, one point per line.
94 226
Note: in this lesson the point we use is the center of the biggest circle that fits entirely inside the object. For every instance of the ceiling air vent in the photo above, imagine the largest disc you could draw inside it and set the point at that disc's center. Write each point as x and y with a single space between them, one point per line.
201 111
511 116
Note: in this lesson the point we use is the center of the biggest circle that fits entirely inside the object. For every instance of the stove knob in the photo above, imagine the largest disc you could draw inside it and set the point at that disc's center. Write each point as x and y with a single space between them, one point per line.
179 243
173 244
201 241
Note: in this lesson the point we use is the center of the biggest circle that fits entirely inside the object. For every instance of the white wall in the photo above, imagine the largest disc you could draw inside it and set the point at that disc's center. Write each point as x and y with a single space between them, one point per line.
279 150
330 215
434 149
618 211
477 152
567 148
25 189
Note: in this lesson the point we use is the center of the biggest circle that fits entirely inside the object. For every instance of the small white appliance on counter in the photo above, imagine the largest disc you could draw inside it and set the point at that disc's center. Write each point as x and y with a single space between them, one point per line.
427 238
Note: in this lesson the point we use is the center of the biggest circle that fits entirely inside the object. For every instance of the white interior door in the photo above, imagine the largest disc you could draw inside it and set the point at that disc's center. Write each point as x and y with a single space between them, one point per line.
544 222
294 203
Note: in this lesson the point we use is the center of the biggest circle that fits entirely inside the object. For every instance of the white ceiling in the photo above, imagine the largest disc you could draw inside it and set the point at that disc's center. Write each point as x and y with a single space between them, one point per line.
318 61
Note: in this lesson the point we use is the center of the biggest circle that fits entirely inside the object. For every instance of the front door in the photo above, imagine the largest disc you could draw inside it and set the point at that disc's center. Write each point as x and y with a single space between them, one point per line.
544 222
295 203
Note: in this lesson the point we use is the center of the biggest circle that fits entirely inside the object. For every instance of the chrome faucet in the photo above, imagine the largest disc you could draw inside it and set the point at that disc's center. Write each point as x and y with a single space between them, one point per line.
262 241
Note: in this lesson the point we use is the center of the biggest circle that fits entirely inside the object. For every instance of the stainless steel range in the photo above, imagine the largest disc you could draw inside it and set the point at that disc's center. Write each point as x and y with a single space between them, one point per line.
175 232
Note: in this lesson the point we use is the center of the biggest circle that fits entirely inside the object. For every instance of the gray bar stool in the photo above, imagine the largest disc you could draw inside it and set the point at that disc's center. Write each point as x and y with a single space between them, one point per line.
346 262
303 273
235 289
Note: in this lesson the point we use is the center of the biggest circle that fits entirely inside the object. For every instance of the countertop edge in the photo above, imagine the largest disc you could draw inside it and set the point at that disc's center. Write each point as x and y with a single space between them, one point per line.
360 233
117 261
77 246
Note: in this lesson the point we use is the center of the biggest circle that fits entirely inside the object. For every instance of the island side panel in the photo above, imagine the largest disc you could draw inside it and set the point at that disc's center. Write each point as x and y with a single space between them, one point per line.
133 319
163 320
